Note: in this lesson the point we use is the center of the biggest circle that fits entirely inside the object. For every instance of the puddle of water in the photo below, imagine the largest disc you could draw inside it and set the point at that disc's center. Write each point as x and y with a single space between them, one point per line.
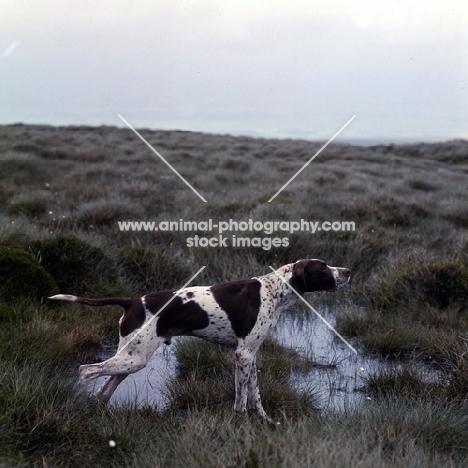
339 375
337 380
146 387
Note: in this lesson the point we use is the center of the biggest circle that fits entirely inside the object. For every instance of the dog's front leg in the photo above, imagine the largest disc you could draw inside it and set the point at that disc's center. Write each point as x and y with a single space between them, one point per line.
253 399
244 359
247 390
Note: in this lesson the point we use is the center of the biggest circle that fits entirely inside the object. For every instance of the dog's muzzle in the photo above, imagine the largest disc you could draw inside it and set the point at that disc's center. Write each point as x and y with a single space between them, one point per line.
342 277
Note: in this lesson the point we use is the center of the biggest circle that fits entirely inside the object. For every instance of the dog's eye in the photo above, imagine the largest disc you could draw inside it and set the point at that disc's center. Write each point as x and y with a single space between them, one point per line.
324 266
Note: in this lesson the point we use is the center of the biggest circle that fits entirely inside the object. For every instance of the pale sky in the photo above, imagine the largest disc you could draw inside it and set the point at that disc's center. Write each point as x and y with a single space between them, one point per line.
290 68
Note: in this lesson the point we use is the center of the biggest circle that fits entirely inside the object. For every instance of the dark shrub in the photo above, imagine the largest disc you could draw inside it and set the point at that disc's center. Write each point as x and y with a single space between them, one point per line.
21 276
77 266
236 164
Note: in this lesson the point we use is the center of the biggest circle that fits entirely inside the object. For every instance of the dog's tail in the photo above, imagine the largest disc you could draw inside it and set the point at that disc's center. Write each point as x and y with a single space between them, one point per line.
121 301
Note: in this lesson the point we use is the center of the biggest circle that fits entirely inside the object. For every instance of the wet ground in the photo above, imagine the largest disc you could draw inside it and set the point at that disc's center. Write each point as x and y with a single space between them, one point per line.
337 378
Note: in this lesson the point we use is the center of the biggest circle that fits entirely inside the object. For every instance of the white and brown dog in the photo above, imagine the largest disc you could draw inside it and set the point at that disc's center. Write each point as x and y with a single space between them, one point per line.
237 313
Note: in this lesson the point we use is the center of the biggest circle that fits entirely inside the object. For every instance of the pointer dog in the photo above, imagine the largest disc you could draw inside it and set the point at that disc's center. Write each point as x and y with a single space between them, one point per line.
237 313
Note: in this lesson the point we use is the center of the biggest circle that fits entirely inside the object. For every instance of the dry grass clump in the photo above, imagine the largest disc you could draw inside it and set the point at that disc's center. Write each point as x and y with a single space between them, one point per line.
416 283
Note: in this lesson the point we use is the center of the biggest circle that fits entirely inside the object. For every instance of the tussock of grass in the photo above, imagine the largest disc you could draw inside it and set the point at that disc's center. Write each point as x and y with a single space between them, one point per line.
386 213
226 265
77 266
386 334
222 210
61 334
22 277
21 169
32 206
453 358
428 283
403 382
153 269
402 427
101 213
236 164
458 216
45 419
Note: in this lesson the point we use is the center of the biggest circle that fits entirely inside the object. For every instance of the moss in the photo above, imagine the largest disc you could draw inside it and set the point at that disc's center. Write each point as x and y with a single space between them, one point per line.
21 276
77 266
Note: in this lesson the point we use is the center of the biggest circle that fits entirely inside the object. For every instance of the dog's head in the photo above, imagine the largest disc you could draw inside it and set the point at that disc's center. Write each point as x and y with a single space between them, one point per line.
316 275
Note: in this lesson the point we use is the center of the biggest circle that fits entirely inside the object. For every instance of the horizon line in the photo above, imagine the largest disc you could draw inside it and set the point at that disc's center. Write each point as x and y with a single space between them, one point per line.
257 135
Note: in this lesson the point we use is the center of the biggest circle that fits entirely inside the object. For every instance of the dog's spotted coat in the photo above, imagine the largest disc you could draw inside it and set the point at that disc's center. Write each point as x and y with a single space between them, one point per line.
237 313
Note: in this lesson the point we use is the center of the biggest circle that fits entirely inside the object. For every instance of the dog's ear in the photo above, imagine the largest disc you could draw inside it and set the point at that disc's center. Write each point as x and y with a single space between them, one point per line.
300 272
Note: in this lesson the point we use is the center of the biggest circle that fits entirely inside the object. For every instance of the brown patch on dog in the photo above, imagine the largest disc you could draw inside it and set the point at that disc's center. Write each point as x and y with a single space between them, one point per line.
241 302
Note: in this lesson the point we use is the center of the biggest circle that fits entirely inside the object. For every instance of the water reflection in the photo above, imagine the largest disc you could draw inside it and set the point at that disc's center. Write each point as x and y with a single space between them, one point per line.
337 375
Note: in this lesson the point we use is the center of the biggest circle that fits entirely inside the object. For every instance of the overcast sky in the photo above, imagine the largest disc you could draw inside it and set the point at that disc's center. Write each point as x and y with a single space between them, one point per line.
290 68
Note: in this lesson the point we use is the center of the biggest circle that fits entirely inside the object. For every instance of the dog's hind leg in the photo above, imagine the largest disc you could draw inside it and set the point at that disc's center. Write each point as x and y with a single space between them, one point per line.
133 355
109 387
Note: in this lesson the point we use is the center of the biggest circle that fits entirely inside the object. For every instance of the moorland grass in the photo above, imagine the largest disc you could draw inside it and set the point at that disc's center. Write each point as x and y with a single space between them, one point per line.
62 192
47 420
154 269
416 304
